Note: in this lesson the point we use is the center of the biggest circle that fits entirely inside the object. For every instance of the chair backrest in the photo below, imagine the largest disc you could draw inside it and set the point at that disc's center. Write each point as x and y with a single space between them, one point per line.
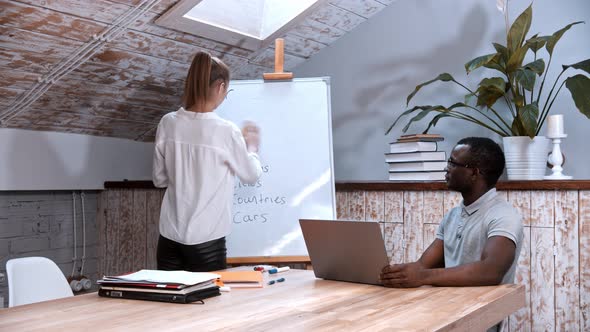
35 279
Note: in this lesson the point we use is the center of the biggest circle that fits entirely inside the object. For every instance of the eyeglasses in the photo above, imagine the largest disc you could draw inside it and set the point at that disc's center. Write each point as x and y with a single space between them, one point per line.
451 163
228 91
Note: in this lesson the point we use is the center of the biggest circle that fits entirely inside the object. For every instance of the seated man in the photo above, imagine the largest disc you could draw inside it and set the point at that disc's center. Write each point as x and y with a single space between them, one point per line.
477 242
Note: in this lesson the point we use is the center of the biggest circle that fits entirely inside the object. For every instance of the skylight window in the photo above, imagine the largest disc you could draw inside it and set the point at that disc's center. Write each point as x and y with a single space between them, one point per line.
250 24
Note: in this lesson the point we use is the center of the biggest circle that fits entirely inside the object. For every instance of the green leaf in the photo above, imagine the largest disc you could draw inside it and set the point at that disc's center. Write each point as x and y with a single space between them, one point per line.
502 50
444 112
518 101
434 121
519 29
582 65
516 59
579 86
538 66
528 116
470 99
497 63
536 43
421 115
557 35
413 109
478 62
445 77
526 78
490 90
517 129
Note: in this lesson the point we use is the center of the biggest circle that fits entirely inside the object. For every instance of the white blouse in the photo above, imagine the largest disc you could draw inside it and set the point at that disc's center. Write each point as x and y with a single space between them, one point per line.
196 156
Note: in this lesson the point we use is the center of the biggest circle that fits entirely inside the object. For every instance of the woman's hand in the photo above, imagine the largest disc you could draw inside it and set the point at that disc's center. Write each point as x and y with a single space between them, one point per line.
251 134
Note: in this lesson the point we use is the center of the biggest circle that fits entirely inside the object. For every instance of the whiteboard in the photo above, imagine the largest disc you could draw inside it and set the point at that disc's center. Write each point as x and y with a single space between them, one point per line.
296 156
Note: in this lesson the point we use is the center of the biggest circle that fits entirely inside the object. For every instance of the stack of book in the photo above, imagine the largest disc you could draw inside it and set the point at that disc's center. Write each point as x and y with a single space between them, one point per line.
164 286
416 158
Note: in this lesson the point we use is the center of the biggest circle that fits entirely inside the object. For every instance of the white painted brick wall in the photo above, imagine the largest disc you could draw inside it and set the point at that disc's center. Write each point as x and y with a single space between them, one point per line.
40 223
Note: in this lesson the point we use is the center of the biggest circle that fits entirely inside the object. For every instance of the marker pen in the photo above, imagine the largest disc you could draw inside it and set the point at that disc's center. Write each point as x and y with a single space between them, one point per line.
272 282
264 268
277 270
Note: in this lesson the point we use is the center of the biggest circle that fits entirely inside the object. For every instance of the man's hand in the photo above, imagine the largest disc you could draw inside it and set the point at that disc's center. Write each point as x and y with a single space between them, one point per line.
403 275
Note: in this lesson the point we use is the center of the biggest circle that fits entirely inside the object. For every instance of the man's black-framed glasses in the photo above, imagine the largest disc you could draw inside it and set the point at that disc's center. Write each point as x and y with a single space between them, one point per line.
452 163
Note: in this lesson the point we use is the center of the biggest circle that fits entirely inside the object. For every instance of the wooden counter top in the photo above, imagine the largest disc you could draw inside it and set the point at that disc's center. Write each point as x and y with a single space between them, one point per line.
394 185
302 302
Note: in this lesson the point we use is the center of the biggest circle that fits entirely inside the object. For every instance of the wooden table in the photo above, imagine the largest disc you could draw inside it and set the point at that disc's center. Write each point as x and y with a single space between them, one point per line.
302 302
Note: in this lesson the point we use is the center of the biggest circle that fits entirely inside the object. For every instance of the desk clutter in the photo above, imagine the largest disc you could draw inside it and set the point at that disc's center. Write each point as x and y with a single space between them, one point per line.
184 286
416 158
163 286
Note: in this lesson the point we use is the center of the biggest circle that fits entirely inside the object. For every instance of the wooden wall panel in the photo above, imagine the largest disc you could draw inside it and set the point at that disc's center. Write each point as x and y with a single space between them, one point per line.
434 209
99 107
17 79
392 235
27 61
139 229
342 205
153 204
521 200
567 283
542 208
337 17
374 206
54 47
584 206
112 232
126 230
302 46
356 205
394 206
521 320
317 31
429 235
101 220
363 8
450 200
542 279
145 61
413 225
132 79
47 21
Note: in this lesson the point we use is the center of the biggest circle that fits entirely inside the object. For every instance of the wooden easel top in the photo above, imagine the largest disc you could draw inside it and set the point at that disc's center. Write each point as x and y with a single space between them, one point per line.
278 74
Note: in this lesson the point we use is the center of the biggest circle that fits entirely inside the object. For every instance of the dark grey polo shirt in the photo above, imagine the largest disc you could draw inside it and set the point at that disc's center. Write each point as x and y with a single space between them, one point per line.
465 230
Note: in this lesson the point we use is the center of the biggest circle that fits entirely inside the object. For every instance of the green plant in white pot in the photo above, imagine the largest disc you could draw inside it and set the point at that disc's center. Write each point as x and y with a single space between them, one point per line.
515 101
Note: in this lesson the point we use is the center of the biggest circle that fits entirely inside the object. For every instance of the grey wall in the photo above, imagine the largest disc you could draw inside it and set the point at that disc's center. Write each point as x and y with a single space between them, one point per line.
378 64
40 223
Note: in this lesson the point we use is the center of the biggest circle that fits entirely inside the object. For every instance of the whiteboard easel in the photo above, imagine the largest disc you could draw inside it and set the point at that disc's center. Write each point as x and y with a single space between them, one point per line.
296 155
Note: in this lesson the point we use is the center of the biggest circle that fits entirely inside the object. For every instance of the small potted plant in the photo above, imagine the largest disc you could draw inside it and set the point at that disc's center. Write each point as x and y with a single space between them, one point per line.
515 101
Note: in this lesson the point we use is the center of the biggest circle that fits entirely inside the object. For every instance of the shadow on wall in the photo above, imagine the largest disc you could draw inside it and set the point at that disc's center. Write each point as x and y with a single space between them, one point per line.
376 101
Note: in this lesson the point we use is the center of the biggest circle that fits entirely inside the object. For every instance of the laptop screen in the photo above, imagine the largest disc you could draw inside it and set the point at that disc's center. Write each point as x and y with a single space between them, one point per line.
351 251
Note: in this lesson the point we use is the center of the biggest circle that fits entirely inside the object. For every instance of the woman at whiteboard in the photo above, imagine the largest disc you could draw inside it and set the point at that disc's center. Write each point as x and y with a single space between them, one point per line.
196 156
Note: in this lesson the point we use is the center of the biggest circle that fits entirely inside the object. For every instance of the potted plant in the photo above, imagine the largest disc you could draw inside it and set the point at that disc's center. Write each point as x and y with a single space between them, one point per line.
515 101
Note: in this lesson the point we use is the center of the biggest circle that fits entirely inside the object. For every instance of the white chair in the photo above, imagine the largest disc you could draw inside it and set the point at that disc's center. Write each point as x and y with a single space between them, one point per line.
35 279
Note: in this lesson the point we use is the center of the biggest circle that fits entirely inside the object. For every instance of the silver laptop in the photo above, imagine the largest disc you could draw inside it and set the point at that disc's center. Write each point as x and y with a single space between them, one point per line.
345 250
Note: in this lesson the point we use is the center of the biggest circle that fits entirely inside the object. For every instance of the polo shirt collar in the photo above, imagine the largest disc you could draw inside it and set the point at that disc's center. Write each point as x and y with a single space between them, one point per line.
196 115
473 207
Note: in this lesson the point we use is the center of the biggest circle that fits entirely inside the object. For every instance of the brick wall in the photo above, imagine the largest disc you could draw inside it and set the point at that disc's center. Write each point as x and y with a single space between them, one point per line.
40 223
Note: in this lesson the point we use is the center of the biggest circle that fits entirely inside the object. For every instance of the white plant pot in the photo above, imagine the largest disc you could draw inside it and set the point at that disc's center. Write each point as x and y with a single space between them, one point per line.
526 158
